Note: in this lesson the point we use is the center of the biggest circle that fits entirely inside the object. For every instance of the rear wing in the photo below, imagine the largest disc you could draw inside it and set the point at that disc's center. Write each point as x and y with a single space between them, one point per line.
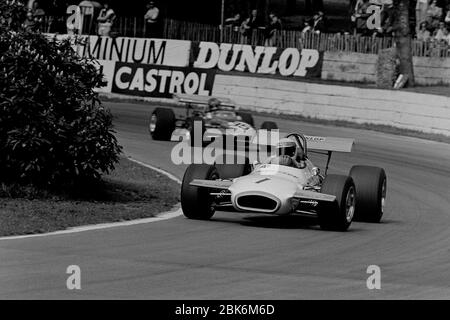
201 100
314 143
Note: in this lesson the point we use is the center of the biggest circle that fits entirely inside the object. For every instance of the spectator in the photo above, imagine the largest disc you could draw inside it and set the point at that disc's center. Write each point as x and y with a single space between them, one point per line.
38 15
434 15
105 20
387 18
319 25
360 16
306 26
423 34
441 33
447 17
29 24
234 21
249 25
421 11
37 10
271 30
151 20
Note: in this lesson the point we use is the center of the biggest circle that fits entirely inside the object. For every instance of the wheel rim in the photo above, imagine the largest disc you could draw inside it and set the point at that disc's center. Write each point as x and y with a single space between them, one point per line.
350 204
152 125
383 195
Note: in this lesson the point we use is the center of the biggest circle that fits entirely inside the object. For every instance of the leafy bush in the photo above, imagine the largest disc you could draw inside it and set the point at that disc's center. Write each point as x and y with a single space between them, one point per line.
12 14
53 128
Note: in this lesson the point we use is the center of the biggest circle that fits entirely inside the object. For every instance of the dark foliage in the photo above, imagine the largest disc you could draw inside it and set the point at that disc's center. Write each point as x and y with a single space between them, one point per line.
53 129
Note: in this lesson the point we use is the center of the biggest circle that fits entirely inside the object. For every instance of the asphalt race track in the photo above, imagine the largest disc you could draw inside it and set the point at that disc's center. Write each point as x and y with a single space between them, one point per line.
248 256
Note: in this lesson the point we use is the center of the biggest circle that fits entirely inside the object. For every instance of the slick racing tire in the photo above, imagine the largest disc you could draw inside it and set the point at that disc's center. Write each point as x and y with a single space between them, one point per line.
247 118
269 125
196 202
370 183
337 215
162 124
191 123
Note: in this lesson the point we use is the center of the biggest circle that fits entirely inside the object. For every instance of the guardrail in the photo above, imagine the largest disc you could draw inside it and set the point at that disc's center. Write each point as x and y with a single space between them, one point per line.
182 30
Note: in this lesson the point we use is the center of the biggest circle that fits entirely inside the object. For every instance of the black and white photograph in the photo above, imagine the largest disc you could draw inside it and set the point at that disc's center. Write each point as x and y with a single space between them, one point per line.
225 156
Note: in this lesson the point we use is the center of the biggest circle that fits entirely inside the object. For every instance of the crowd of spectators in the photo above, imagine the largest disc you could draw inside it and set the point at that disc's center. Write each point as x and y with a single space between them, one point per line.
107 16
432 17
433 20
269 27
373 17
101 20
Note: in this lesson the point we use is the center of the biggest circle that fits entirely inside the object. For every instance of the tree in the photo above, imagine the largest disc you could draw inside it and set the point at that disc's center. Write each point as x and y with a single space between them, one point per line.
54 130
403 39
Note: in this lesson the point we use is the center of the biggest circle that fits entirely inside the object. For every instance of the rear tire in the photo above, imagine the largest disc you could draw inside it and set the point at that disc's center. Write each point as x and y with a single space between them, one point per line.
162 123
269 125
337 215
196 202
247 118
370 183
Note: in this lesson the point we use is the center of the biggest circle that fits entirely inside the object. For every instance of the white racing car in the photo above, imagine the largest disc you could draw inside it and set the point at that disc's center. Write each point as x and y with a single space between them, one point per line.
272 188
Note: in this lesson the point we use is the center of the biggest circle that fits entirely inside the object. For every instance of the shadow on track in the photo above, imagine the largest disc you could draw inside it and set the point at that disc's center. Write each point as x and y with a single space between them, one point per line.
277 222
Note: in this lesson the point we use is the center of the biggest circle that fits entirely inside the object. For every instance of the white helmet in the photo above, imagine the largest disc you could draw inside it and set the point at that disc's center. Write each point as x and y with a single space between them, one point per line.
287 147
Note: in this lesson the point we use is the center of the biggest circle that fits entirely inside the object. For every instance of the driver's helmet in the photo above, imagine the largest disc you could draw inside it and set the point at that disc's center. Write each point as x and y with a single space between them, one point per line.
213 104
287 147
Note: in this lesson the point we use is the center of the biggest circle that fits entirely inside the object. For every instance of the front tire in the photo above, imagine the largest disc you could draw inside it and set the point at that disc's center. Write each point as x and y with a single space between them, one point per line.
370 185
337 215
162 123
196 202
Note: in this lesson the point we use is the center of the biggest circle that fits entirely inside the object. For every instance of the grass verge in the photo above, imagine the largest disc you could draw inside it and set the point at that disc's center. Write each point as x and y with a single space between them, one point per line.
130 192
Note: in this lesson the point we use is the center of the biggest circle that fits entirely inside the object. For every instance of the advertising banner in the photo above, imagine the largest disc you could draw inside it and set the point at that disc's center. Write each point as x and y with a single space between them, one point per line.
160 81
132 50
226 57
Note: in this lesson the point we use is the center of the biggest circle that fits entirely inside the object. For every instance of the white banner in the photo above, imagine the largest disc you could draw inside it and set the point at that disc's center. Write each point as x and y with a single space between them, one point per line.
263 60
174 53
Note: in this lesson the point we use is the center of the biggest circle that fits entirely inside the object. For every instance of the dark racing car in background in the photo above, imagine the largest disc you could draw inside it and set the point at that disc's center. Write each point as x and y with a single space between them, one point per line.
212 114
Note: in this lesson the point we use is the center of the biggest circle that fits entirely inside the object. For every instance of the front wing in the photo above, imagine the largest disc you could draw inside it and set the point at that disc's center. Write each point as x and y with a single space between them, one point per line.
301 194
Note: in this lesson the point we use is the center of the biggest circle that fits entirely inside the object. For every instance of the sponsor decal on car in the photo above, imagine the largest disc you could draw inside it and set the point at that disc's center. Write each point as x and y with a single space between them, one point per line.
312 203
